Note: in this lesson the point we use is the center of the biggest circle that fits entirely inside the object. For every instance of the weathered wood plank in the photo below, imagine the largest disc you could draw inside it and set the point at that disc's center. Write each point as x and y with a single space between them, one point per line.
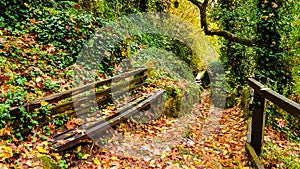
105 125
98 95
286 104
257 86
69 133
68 108
258 122
66 94
81 111
253 157
258 119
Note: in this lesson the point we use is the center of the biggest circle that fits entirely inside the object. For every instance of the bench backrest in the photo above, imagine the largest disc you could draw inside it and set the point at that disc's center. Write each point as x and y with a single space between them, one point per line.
82 97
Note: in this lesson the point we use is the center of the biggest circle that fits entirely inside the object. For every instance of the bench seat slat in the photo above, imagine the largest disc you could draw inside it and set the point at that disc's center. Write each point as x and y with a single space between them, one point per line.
70 142
67 133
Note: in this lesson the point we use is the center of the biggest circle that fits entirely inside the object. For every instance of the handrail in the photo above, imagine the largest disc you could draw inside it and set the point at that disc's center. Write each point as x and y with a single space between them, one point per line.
261 93
286 104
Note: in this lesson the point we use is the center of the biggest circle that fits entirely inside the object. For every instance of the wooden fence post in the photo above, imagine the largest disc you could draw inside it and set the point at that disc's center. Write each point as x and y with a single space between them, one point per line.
258 122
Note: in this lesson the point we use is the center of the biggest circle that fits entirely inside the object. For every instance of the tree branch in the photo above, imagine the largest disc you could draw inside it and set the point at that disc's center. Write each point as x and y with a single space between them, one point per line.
222 33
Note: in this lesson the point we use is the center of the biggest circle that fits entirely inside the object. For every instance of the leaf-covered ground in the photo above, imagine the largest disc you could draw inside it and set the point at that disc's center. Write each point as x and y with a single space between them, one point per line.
172 143
191 141
278 151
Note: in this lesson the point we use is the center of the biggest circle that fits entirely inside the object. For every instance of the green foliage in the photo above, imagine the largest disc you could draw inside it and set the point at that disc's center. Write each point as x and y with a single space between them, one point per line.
113 9
292 45
40 40
169 72
4 114
274 25
245 102
280 157
66 30
237 59
14 11
291 127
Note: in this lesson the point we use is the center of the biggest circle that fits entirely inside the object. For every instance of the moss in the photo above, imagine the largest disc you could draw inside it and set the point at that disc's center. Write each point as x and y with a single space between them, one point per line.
231 100
172 106
245 102
49 163
181 102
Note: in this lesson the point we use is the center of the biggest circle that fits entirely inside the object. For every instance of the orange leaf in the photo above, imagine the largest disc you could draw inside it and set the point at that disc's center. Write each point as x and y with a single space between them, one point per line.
70 125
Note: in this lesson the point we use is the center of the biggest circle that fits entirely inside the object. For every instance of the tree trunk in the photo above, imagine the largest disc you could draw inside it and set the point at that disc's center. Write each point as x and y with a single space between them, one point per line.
143 5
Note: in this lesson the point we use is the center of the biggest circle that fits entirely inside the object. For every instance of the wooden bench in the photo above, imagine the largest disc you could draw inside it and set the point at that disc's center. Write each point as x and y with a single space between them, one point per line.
125 94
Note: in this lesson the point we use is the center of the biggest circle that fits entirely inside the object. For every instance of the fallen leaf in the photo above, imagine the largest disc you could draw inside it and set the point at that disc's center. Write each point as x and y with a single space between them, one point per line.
69 125
84 157
41 150
5 152
282 123
44 103
78 149
96 161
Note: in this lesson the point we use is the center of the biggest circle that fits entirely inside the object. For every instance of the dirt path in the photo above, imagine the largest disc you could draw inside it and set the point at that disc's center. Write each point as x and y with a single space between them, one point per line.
206 138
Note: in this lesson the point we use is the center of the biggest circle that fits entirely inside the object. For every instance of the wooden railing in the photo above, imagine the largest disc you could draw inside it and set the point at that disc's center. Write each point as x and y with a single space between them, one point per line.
261 93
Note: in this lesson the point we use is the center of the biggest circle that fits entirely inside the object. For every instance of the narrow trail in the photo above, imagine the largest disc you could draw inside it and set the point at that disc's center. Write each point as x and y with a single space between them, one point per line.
191 141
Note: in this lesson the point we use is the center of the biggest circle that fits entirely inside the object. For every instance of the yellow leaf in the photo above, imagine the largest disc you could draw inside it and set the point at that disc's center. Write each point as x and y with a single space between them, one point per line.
5 131
6 152
41 150
39 93
152 163
185 167
84 157
164 154
67 155
7 69
114 158
38 79
45 143
181 146
44 103
72 18
96 161
78 148
106 112
169 122
123 53
35 164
